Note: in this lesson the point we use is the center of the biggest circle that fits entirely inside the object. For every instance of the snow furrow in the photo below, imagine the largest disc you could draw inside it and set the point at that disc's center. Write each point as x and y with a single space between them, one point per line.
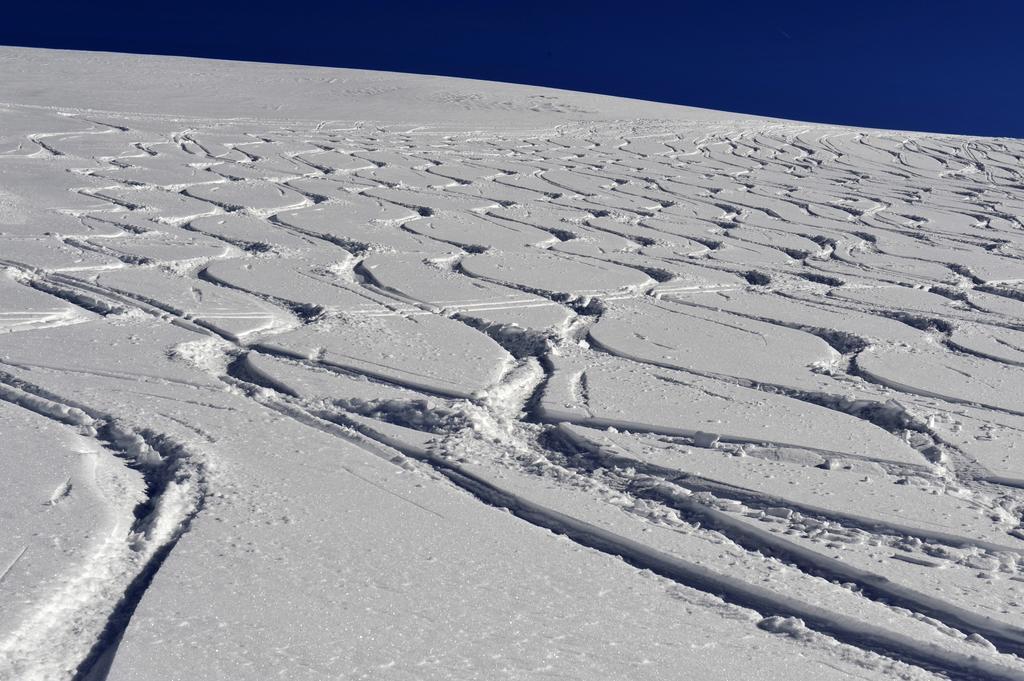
82 622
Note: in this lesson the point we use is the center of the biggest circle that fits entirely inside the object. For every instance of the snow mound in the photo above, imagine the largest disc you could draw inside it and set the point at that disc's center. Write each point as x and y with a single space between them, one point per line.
321 373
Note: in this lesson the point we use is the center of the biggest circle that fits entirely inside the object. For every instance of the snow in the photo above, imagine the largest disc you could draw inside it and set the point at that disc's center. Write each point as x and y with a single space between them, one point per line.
321 373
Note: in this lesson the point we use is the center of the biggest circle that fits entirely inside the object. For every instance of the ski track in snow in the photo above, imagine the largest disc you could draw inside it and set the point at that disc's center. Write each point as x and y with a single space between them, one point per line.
778 364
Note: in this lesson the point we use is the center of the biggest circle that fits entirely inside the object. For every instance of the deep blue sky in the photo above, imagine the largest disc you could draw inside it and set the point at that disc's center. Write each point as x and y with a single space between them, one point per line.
940 66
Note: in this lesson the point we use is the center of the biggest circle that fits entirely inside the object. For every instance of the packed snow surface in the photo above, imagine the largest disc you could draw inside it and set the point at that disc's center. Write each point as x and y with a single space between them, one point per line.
325 374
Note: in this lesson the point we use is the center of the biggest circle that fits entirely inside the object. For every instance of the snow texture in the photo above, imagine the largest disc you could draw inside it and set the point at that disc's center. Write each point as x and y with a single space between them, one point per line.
316 373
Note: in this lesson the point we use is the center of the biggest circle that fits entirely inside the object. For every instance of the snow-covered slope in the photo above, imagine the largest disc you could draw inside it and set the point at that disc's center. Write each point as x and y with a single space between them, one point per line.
325 374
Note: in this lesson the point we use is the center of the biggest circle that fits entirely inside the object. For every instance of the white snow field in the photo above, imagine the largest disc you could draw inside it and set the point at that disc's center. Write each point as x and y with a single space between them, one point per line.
318 374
